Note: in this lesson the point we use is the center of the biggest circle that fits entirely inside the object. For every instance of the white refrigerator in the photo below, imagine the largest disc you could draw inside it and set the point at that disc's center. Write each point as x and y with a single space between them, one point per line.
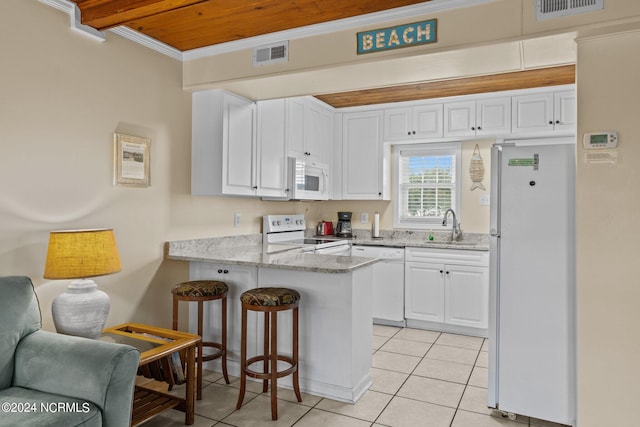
532 354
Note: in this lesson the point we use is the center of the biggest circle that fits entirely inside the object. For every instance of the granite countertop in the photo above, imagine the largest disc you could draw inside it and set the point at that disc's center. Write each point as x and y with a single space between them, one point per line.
419 239
248 250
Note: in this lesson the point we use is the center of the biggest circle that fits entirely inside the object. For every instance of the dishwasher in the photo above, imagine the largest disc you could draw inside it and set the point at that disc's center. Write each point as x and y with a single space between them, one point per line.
388 283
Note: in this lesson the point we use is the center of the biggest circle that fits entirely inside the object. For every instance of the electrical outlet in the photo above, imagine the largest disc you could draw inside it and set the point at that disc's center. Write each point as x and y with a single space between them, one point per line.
236 220
364 218
485 200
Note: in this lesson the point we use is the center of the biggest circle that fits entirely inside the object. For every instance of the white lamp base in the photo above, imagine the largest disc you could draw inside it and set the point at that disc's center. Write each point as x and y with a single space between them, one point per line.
81 310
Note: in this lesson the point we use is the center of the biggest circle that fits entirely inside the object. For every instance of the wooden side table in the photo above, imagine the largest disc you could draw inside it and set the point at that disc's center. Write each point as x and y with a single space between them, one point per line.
156 343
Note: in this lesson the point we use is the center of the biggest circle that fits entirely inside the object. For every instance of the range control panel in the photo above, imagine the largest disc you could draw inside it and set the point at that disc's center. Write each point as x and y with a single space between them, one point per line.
280 223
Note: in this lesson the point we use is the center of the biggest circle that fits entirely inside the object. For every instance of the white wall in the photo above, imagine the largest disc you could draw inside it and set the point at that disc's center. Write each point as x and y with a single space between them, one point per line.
608 202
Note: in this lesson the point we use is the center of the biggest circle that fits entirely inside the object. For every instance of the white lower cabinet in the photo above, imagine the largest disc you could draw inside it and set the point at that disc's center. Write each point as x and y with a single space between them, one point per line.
238 279
447 290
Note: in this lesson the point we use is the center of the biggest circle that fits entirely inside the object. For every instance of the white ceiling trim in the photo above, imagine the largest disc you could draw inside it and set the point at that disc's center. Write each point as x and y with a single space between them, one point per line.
74 14
406 12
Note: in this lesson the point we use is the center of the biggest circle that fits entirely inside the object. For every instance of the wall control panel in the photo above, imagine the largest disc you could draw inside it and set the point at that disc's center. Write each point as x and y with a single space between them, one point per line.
597 140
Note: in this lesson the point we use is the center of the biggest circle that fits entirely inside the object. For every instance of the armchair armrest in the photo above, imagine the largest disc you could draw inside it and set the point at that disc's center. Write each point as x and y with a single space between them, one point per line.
95 371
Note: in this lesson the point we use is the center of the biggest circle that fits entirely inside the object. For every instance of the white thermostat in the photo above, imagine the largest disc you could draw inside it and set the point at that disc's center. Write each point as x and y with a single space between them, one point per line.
605 139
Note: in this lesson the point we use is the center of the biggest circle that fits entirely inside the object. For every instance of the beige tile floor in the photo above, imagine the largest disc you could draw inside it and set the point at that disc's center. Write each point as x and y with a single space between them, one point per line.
420 378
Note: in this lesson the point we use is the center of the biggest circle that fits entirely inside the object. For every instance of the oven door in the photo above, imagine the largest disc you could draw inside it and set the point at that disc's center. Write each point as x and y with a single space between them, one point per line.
308 180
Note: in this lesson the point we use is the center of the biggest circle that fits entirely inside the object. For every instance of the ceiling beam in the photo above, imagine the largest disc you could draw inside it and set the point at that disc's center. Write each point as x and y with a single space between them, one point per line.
553 76
105 14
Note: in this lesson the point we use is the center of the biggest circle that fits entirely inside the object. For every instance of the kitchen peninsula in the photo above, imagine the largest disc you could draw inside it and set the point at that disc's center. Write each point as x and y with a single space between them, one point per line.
335 307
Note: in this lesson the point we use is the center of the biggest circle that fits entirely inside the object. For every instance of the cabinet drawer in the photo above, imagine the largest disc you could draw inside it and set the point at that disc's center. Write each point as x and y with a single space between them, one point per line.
448 256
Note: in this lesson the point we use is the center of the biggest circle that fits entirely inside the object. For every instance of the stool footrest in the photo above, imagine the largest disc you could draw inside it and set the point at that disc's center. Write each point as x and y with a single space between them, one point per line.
216 355
266 375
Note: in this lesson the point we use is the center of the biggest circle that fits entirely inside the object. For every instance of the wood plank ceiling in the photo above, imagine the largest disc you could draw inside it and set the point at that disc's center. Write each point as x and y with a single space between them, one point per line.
191 24
439 89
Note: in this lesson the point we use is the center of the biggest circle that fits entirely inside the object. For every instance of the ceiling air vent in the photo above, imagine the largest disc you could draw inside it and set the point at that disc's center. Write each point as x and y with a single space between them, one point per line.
271 53
549 9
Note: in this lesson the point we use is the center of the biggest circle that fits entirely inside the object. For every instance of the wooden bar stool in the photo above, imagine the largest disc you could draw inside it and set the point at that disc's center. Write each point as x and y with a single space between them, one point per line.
270 301
201 291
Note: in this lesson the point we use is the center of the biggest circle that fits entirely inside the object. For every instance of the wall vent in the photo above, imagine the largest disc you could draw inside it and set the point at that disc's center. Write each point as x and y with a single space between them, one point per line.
271 53
549 9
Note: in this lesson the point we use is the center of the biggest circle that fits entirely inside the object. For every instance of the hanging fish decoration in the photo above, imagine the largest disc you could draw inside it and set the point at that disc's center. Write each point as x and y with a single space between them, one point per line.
476 170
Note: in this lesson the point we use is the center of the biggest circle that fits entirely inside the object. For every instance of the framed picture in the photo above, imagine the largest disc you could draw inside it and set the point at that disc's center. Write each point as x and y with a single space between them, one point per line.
131 160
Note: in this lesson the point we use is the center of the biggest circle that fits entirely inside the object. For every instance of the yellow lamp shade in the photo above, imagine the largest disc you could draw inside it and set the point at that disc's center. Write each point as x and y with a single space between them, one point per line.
74 254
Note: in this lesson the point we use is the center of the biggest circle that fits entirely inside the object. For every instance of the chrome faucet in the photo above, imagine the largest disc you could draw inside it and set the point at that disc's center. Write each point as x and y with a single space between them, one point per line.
456 232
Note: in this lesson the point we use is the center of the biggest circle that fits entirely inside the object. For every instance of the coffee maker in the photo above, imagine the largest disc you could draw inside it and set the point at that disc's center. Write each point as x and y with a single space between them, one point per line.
343 228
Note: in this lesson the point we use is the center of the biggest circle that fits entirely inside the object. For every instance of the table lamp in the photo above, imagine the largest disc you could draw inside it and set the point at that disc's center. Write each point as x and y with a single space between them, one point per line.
82 309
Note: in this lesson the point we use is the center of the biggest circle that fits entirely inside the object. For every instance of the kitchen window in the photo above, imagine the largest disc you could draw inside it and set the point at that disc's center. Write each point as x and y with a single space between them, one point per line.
427 184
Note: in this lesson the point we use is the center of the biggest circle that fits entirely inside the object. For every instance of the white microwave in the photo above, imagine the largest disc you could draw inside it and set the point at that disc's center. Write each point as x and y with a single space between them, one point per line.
308 180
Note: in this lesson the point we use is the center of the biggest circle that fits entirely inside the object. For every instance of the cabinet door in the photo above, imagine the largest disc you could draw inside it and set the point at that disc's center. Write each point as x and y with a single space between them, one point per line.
295 127
424 291
313 132
493 116
238 147
532 113
271 150
467 296
362 156
565 110
460 118
427 121
397 122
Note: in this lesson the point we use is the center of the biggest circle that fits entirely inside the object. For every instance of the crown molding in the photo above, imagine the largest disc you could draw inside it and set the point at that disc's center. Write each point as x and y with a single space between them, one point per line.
147 41
73 11
406 12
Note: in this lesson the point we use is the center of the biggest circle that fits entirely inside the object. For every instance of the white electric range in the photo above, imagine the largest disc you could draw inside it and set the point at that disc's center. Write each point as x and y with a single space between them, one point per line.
290 230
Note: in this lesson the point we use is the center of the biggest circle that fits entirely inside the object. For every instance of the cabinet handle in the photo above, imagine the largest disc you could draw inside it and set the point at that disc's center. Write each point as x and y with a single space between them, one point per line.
409 133
479 128
447 272
557 122
414 132
441 271
550 122
473 128
227 271
220 271
255 187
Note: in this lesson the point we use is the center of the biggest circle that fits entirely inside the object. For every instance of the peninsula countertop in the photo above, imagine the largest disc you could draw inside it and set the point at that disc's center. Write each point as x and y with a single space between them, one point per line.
248 250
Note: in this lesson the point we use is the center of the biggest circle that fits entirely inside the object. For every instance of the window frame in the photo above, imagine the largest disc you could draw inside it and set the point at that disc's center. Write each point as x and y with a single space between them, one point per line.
435 149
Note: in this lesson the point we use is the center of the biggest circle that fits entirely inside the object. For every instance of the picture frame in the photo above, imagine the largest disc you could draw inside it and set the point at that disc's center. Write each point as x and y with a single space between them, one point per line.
132 160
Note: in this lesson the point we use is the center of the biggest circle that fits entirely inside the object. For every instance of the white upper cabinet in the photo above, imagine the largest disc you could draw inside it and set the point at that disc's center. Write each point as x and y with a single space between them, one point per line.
309 129
364 163
222 144
548 111
420 122
491 116
271 149
238 148
565 110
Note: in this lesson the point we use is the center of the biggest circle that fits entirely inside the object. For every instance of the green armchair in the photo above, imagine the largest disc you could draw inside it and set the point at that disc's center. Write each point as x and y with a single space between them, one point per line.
49 379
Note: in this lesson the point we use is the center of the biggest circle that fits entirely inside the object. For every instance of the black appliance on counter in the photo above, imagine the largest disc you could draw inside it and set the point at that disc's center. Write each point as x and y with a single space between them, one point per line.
343 228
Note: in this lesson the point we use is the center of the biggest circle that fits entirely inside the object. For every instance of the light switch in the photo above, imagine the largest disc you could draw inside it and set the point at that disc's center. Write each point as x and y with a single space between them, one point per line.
364 218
